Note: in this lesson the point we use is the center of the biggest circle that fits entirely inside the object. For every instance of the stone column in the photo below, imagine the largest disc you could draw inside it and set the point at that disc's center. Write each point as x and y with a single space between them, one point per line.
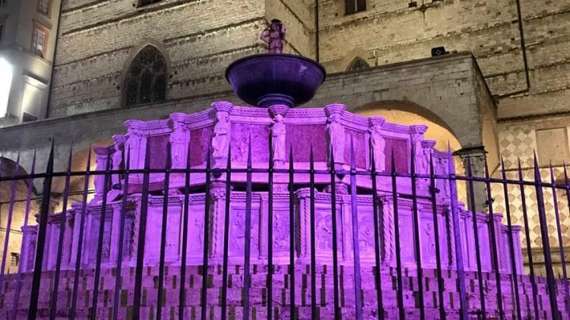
335 131
222 130
417 138
218 207
179 140
377 144
103 155
475 155
135 145
29 236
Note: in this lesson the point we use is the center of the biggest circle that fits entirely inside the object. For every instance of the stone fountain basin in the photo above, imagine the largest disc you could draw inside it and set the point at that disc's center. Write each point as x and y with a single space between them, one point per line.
269 79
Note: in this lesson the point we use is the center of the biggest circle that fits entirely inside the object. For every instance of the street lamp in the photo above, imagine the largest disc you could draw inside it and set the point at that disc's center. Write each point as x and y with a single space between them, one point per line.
6 74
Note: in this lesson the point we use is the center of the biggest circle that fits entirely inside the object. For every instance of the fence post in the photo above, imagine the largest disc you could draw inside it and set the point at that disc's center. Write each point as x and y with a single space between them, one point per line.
456 236
44 212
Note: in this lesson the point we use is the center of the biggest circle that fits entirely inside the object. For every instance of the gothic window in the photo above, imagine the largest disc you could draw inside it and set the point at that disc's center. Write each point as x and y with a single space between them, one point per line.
354 6
358 64
39 40
146 78
147 2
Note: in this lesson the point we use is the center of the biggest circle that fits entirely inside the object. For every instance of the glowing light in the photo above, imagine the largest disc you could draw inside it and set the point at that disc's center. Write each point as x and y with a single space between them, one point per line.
6 73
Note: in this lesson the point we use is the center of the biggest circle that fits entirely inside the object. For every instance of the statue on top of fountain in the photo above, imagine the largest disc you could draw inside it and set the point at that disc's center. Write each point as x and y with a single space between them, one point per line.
274 36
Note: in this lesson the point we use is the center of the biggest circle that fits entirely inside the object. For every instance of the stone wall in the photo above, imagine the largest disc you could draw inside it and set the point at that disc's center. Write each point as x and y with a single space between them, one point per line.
448 88
98 39
389 31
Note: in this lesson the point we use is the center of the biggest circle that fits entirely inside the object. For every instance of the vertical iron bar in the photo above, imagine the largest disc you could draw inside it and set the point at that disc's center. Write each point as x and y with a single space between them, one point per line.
558 226
566 187
54 294
511 241
166 186
204 289
119 266
227 210
248 199
493 243
471 201
336 297
182 293
142 234
433 192
550 280
314 313
29 191
399 285
44 211
355 234
102 217
291 188
528 244
457 236
12 200
270 233
415 225
80 240
375 204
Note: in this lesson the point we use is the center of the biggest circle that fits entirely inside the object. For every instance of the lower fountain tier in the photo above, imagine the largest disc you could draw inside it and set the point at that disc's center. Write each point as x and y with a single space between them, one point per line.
364 219
16 301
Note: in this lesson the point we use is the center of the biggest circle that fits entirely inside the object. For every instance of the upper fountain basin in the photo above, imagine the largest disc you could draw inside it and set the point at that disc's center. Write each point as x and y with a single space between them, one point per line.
269 79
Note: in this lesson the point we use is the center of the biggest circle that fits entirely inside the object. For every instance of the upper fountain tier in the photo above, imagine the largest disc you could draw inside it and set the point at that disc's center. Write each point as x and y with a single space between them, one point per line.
275 78
268 79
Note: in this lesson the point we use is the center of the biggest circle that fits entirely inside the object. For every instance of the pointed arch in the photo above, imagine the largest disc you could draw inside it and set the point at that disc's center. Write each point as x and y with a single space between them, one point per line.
146 78
358 64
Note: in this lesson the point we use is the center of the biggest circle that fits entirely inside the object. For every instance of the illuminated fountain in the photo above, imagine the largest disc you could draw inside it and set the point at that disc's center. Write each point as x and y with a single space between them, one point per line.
274 131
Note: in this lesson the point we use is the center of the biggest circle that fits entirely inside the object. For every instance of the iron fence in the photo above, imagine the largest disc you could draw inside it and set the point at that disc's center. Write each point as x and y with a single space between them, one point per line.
430 258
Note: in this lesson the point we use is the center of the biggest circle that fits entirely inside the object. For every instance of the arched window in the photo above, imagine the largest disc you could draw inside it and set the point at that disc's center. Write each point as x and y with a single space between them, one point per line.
146 79
358 64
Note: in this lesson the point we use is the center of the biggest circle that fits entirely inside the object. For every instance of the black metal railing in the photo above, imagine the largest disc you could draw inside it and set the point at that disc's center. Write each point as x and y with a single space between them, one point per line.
478 282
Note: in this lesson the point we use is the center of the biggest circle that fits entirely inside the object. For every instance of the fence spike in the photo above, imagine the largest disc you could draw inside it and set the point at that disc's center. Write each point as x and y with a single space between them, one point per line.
124 201
511 240
72 312
550 279
355 234
493 242
227 209
269 281
142 233
182 291
416 228
247 253
292 227
433 194
54 295
164 227
41 238
101 234
378 230
471 192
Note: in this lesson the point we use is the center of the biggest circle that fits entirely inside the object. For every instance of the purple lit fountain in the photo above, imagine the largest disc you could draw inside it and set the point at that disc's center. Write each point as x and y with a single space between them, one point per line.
262 208
275 78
